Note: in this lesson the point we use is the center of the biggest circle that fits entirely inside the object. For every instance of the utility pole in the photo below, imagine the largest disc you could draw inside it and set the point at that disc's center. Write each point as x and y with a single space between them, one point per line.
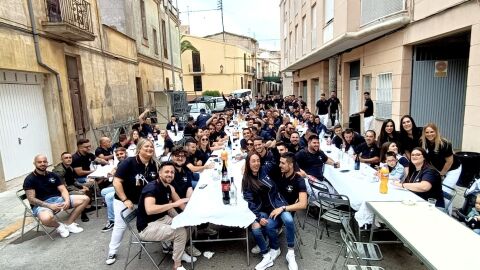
220 6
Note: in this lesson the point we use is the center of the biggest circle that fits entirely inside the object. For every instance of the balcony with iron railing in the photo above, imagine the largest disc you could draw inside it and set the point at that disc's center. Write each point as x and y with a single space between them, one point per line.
70 19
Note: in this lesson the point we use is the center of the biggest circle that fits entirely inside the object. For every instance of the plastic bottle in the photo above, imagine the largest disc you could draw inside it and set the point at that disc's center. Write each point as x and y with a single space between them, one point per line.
384 180
357 162
233 192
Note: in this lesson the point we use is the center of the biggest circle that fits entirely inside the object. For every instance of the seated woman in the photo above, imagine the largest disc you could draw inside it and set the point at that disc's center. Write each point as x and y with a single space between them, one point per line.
423 179
262 197
167 143
388 133
392 147
203 150
440 154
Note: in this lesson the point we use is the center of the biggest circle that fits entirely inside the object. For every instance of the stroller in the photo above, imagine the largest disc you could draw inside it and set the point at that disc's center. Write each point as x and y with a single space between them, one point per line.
470 197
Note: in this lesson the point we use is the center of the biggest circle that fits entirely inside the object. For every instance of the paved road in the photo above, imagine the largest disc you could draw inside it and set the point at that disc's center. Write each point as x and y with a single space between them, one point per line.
87 250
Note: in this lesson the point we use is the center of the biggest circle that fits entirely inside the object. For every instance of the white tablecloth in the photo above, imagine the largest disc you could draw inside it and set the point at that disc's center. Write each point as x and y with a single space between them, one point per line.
101 171
437 239
206 204
360 186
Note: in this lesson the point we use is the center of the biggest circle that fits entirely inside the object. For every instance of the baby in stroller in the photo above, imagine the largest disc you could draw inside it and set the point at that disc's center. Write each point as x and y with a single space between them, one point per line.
473 217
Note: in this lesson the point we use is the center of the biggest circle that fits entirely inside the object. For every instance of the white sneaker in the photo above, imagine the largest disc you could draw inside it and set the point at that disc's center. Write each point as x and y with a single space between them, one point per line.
187 258
195 252
274 253
63 230
73 228
292 264
265 263
181 268
255 250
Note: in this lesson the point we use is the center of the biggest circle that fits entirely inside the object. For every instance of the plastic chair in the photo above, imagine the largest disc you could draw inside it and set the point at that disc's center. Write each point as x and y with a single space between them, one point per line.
28 213
449 194
357 255
135 240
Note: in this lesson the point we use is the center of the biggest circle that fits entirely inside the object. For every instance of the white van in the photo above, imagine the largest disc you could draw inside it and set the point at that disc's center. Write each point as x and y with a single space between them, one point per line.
242 93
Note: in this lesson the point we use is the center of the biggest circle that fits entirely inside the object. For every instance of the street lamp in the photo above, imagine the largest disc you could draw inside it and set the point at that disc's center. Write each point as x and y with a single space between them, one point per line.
221 68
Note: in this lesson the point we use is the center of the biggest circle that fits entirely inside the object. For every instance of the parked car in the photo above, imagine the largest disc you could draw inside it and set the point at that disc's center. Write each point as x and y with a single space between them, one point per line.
217 104
201 99
242 93
194 109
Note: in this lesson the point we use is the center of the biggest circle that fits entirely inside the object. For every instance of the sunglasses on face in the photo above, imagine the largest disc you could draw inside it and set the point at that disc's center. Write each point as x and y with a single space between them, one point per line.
204 139
250 144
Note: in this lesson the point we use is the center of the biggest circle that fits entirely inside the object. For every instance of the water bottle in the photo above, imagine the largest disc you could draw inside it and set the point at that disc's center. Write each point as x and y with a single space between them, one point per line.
233 192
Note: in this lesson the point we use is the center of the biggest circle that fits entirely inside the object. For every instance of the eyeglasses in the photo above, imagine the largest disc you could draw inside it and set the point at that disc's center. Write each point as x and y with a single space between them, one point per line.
179 156
416 155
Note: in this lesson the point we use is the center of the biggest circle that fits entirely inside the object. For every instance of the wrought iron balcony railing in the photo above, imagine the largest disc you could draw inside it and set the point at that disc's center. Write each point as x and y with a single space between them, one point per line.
72 18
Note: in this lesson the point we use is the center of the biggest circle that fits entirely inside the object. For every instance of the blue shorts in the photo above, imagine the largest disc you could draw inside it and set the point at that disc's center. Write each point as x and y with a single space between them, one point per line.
56 199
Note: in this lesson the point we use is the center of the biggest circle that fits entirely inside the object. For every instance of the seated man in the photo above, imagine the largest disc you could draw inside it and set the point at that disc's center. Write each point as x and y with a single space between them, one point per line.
65 171
337 139
294 144
109 192
122 142
48 196
292 187
351 139
368 151
82 160
192 163
156 208
311 159
104 150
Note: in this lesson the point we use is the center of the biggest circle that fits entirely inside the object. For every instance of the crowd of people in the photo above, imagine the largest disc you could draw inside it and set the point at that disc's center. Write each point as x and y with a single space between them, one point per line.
281 146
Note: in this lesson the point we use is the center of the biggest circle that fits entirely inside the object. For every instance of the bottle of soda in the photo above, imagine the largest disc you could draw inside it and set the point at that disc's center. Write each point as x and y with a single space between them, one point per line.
225 184
384 179
233 192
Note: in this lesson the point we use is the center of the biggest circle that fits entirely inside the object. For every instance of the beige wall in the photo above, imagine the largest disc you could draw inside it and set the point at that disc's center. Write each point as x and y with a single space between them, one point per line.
212 55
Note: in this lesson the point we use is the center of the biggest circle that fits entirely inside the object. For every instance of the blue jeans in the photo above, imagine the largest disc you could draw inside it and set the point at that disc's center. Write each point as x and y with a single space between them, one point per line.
55 199
109 193
270 230
287 220
477 231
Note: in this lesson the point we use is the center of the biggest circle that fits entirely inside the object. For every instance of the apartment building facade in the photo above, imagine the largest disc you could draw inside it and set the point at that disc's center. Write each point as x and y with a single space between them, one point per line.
416 57
217 65
269 81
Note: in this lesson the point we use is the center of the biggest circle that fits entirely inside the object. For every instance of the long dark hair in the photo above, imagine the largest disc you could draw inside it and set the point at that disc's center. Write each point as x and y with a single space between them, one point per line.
415 131
412 169
251 182
383 136
384 150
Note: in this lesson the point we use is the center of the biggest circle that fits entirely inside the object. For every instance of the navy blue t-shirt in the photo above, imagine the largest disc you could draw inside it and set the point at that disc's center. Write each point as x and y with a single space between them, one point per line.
367 151
45 186
84 161
162 195
182 181
433 177
135 176
311 163
290 187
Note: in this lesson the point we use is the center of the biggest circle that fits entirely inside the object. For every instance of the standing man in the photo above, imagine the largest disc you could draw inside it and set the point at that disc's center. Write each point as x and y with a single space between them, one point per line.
334 105
48 195
156 209
367 112
202 119
322 109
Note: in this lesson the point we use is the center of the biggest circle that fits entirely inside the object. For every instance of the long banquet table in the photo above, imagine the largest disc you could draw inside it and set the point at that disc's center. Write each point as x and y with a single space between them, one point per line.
436 238
360 185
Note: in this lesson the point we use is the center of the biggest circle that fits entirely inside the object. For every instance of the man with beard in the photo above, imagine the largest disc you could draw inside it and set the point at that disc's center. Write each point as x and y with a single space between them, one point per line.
351 139
311 159
156 209
292 188
284 132
47 196
368 151
294 145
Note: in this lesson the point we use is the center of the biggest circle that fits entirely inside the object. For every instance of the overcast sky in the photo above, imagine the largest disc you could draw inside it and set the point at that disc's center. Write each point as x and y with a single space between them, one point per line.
255 18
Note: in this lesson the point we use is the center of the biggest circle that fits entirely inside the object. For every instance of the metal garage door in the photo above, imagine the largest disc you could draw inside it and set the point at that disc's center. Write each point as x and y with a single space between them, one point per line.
23 122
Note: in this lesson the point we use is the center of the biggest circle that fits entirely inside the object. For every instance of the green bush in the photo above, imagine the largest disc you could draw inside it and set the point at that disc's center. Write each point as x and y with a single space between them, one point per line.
213 93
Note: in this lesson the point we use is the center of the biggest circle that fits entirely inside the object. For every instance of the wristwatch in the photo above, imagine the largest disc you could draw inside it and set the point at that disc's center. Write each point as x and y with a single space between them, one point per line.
284 208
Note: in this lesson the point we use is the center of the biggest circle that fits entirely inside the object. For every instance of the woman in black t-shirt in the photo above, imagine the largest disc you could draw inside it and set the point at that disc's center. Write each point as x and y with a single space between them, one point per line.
409 135
168 143
203 149
388 133
440 154
423 179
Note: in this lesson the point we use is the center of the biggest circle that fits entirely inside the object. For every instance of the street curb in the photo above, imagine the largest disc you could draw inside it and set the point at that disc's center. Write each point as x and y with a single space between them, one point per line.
12 228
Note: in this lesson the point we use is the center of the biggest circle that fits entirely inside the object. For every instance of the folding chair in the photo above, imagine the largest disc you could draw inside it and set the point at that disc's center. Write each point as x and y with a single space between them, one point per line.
365 251
449 194
135 240
352 251
312 200
28 213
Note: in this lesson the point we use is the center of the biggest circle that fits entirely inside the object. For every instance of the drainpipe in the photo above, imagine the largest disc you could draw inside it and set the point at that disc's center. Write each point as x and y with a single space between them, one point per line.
42 64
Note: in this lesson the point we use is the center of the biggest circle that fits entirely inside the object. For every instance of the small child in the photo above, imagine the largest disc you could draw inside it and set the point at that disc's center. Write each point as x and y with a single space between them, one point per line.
473 217
396 169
